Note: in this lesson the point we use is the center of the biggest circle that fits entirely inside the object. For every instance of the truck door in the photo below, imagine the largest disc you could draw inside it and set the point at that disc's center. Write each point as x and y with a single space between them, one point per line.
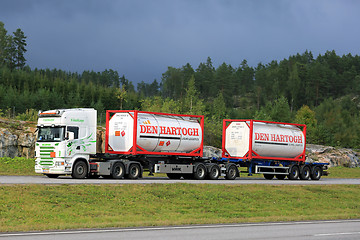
72 146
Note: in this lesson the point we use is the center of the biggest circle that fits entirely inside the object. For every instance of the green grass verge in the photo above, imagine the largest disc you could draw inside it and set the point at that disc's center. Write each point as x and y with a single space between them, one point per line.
17 166
39 207
343 172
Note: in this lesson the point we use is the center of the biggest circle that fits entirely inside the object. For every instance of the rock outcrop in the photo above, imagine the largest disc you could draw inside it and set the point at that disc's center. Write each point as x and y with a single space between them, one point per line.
333 156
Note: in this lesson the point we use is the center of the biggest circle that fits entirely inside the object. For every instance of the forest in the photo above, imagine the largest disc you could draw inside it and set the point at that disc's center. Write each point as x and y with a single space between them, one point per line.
322 92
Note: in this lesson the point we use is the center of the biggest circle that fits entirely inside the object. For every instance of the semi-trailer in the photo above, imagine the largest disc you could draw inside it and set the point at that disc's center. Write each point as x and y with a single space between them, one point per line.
166 143
273 149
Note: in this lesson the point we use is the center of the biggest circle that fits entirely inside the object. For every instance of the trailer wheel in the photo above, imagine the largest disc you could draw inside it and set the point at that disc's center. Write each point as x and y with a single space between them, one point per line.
134 171
269 176
294 172
200 171
214 172
305 172
316 173
80 170
118 170
231 172
174 175
280 177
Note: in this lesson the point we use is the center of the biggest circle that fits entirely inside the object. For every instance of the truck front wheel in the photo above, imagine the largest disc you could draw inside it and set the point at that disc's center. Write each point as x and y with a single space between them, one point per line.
80 170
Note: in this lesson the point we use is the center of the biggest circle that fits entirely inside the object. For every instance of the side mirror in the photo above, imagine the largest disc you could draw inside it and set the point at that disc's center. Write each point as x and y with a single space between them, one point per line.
70 136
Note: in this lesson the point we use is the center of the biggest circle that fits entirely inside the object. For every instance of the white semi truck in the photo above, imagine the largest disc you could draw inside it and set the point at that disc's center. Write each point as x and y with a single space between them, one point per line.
134 140
166 143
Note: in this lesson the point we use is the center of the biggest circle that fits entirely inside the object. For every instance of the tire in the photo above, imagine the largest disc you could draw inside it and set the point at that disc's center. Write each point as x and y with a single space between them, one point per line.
52 175
269 176
200 172
280 177
134 171
231 172
214 172
316 173
174 175
118 170
294 171
80 170
305 172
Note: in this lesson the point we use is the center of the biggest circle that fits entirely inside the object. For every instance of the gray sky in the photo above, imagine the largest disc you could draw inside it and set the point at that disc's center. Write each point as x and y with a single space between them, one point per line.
141 38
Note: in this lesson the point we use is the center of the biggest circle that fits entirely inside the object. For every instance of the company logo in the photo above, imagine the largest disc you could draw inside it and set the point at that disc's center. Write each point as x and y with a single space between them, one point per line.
123 133
167 143
169 130
77 120
278 138
146 122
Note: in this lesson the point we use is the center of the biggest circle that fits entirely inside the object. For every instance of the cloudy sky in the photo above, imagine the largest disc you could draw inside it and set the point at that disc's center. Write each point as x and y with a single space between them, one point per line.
141 38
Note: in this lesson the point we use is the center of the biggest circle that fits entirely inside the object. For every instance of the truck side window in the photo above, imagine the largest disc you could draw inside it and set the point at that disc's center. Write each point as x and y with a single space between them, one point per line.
75 130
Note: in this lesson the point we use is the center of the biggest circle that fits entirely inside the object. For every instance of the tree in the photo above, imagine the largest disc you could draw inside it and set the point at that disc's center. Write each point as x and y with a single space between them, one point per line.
3 43
192 103
204 76
306 116
121 96
20 50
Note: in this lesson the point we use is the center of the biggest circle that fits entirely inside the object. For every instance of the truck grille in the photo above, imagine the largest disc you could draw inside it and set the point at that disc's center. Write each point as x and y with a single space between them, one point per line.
46 159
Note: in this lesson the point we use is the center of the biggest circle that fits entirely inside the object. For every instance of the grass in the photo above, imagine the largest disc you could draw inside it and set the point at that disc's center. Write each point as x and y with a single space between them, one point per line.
344 172
39 207
17 166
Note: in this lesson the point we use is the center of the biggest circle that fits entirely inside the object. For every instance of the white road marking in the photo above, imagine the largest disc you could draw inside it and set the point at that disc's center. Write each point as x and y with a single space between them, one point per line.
336 234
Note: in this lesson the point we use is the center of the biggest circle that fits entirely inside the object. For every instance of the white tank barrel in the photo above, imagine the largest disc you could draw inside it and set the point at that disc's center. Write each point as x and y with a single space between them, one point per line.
156 133
268 140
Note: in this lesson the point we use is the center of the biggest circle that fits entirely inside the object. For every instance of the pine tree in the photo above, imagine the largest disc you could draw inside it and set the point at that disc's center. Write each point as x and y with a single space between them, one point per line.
20 50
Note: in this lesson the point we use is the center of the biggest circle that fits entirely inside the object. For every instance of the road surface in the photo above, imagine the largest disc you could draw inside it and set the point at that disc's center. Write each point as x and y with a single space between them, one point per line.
316 230
150 180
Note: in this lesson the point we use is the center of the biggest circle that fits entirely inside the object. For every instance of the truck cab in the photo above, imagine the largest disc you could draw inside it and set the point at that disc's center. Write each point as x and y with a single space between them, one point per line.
65 137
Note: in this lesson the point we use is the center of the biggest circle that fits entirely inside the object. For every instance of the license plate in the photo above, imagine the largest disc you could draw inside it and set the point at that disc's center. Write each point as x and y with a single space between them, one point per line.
45 170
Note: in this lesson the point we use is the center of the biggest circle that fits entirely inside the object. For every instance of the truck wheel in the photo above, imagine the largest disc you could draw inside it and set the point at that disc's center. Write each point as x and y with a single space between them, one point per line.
305 172
280 177
134 171
231 172
118 170
200 171
269 176
294 172
80 170
174 175
316 173
214 172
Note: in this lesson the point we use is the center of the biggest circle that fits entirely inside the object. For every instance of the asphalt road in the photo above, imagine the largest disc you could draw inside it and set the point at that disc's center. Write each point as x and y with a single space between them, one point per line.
316 230
150 180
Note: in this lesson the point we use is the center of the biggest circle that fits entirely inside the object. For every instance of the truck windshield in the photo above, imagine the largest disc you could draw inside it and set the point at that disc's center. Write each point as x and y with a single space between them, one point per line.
51 134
